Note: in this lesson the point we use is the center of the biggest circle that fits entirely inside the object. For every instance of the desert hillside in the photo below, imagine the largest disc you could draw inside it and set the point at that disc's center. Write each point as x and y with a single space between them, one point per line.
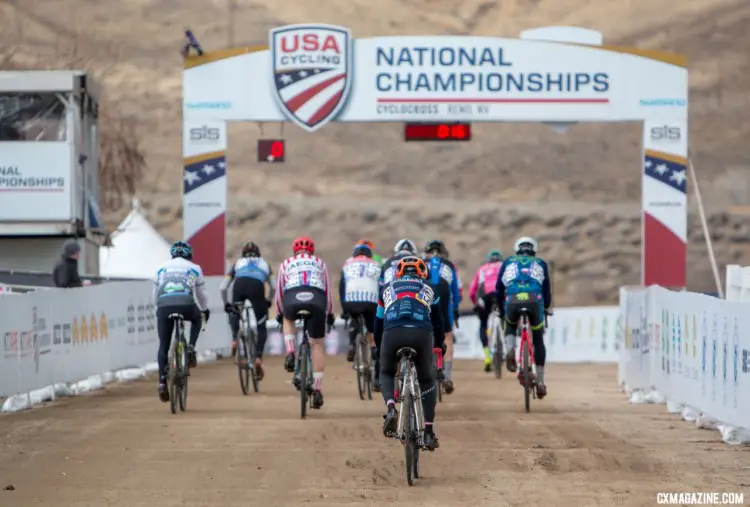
365 180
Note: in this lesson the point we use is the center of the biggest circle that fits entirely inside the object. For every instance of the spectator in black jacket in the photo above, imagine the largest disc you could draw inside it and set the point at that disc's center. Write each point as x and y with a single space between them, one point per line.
65 274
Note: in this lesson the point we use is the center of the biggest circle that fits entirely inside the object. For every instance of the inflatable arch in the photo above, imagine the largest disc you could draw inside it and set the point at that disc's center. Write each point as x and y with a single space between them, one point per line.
313 74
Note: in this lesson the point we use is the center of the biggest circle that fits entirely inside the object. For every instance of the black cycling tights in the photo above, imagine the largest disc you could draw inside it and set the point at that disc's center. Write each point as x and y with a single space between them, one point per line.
421 341
165 328
234 324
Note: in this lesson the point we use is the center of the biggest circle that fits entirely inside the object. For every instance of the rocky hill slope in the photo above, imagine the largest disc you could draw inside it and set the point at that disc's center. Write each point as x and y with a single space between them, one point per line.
366 181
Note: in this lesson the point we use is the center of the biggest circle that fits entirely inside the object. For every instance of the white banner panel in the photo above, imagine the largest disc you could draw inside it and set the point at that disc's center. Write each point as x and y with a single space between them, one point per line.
35 181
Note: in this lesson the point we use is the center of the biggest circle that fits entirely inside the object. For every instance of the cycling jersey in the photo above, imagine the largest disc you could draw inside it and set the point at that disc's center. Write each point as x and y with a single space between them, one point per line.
359 282
442 272
303 271
180 282
524 274
251 267
485 280
409 302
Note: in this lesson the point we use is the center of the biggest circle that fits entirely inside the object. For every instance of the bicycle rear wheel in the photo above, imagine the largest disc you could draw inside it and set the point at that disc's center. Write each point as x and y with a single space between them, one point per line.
498 356
243 368
409 440
359 366
415 433
526 374
172 378
303 379
367 361
184 373
251 355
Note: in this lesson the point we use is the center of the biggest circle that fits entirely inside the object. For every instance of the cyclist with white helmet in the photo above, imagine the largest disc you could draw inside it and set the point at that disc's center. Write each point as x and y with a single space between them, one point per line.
179 287
524 282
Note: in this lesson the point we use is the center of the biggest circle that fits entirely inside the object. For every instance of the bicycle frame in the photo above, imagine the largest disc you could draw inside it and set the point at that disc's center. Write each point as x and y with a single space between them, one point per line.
526 338
411 385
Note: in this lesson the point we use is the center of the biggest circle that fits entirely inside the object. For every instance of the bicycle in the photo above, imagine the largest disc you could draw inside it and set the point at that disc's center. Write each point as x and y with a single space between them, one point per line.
247 342
179 369
363 360
410 429
527 371
496 337
303 374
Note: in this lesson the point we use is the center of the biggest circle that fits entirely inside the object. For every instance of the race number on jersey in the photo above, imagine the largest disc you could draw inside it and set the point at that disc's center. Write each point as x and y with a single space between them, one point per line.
361 281
304 272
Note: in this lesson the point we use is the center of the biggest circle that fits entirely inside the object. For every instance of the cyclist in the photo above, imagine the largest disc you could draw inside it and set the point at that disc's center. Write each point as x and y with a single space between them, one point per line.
524 282
409 316
303 284
482 293
444 281
179 287
358 292
403 248
375 256
249 276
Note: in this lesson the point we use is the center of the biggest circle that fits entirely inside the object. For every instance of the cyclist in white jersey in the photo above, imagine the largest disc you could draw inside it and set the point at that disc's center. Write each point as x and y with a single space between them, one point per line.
178 288
303 284
358 291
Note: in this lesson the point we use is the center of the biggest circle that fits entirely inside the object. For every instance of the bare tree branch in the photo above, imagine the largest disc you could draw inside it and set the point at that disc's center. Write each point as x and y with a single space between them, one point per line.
121 157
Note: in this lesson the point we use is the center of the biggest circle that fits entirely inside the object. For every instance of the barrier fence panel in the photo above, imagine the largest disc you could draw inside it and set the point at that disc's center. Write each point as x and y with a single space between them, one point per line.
690 348
60 336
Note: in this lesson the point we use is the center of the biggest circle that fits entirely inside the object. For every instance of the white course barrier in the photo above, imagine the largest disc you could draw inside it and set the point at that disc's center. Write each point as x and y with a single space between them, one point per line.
692 352
737 283
60 342
574 335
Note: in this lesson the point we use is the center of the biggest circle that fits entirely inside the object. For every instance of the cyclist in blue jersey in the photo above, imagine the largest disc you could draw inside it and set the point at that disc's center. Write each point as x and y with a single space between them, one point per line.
249 276
524 282
443 279
179 287
408 315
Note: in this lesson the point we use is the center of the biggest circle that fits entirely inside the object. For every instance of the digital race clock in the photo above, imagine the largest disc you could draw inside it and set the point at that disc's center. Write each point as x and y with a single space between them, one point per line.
437 132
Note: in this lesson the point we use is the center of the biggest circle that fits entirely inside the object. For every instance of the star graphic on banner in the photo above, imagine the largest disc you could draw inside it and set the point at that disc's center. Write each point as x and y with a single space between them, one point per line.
208 169
649 164
678 177
316 71
192 178
302 73
661 169
286 79
222 165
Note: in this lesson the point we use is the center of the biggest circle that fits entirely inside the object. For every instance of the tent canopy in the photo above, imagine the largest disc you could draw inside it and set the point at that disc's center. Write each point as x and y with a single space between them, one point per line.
137 249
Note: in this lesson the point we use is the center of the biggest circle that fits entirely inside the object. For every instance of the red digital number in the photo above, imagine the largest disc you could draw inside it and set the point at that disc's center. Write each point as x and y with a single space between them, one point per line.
443 131
271 150
277 149
458 131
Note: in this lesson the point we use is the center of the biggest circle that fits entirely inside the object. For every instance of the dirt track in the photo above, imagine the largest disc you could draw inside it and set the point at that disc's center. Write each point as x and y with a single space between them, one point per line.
583 445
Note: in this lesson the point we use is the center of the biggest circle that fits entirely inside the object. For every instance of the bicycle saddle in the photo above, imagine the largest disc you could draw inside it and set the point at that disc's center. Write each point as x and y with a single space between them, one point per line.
303 313
176 316
406 352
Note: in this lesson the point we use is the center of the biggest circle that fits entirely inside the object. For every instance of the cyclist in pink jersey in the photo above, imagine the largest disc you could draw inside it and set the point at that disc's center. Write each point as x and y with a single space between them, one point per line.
481 294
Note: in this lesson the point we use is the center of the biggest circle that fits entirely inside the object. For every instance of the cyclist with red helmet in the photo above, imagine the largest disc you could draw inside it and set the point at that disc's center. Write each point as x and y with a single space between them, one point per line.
303 284
409 315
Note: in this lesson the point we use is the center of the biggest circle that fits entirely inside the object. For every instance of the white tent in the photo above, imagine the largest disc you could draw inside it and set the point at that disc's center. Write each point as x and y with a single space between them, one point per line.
137 249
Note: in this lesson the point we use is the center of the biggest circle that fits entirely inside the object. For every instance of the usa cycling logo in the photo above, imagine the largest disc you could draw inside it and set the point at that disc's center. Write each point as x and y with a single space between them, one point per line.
312 72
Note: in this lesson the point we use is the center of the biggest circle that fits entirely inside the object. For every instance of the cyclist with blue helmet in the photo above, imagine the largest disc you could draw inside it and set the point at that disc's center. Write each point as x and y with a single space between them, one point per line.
443 278
524 282
179 287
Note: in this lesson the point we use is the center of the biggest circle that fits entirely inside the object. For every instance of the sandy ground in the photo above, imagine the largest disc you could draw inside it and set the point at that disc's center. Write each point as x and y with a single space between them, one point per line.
583 445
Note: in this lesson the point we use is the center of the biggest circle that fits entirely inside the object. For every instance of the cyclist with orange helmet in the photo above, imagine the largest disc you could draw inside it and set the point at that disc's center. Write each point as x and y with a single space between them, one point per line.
303 284
409 315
